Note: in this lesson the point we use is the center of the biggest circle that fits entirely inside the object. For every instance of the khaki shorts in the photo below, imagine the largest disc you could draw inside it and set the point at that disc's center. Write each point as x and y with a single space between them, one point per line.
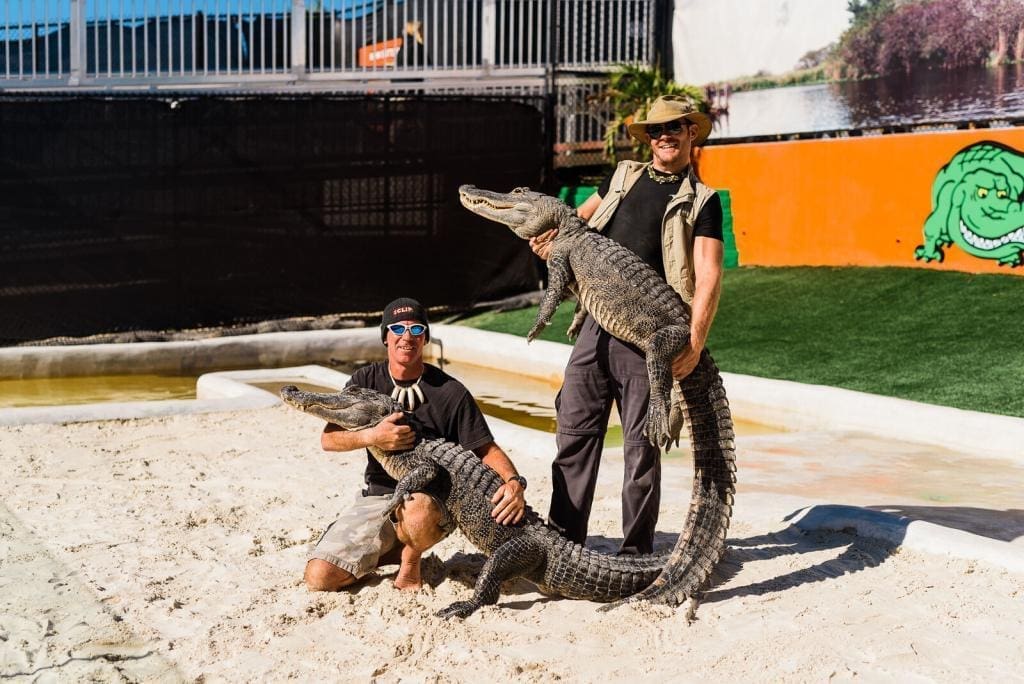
356 541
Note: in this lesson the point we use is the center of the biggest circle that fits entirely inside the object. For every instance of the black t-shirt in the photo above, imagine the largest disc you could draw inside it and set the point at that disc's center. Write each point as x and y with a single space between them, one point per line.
637 221
449 412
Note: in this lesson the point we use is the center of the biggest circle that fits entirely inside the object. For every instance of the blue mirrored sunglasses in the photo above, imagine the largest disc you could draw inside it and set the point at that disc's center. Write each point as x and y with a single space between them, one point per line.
415 329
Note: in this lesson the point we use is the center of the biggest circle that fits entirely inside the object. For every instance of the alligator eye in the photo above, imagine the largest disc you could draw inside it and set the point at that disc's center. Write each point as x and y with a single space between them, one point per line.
982 193
1002 194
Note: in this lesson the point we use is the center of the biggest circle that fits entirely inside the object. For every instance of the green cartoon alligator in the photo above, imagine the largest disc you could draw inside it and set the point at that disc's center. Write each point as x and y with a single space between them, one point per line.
976 200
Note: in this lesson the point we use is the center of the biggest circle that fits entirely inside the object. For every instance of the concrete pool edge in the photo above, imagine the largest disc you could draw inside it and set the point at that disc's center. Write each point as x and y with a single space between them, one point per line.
778 402
916 535
761 400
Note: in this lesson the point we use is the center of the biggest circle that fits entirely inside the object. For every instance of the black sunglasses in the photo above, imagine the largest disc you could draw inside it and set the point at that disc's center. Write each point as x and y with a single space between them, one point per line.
672 128
415 329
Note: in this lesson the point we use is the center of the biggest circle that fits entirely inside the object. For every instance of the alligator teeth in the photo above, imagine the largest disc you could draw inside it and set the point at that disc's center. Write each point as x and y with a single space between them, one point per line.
980 242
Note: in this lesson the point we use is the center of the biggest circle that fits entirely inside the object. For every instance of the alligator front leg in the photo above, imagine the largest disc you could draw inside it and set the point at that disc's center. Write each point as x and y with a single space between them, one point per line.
515 558
559 280
415 480
663 347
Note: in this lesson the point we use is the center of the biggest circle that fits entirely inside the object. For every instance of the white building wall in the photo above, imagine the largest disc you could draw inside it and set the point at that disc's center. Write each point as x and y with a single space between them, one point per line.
715 40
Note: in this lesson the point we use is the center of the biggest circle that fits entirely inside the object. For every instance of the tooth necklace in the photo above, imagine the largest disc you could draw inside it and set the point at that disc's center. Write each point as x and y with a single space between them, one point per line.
409 397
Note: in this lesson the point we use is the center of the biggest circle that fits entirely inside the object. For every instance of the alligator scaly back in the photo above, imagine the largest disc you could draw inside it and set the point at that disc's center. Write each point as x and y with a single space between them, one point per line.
632 302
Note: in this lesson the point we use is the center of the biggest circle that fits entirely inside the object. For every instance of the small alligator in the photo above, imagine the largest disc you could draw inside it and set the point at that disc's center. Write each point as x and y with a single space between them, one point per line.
530 549
632 302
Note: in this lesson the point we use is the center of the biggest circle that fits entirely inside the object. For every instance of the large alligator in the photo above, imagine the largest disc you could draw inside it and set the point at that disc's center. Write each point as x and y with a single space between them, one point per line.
632 302
529 549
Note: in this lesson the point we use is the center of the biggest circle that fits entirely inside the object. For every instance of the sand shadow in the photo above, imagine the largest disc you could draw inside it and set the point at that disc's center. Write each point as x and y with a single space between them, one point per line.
1004 526
854 554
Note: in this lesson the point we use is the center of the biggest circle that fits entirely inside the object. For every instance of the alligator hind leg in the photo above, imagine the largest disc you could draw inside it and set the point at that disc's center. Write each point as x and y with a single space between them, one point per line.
662 348
515 558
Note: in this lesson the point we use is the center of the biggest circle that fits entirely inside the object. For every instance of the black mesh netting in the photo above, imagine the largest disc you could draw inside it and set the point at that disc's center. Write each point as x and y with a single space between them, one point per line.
121 214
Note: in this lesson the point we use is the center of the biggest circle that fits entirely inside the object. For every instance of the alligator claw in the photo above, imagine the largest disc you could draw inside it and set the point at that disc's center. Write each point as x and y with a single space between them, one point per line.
657 428
397 499
459 609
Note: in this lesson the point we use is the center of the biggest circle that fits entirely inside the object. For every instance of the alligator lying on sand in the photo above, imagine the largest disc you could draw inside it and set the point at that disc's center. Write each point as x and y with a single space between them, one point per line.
529 549
632 302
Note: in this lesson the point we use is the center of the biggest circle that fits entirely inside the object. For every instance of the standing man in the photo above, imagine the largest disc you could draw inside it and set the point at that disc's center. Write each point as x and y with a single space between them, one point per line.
663 212
440 406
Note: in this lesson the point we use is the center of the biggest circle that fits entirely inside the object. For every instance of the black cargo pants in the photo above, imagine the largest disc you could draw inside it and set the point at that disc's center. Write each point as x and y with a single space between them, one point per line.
601 370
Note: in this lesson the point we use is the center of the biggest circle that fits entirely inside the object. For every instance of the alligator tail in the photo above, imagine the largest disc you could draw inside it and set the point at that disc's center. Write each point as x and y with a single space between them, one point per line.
702 542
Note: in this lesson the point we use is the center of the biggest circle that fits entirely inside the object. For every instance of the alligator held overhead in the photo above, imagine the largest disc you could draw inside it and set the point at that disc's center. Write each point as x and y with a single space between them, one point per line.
632 302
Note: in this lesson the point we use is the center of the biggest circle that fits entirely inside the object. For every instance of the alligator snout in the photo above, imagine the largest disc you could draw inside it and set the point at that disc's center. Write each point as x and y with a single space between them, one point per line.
290 395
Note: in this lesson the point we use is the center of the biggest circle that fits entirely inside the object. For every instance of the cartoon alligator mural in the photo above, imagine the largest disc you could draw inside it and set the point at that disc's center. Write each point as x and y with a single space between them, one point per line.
977 205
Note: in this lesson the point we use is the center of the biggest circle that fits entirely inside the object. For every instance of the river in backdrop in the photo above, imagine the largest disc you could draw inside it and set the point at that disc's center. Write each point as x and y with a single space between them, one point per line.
977 94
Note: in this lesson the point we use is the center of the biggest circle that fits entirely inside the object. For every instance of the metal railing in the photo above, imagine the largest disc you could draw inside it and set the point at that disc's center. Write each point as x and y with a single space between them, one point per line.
100 43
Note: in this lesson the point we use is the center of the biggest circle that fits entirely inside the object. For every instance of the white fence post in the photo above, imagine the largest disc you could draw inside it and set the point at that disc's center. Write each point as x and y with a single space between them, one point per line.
489 31
77 42
298 38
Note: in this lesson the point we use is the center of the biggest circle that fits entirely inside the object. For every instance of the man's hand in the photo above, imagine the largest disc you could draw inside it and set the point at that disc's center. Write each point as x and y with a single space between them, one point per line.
541 244
685 362
509 503
390 436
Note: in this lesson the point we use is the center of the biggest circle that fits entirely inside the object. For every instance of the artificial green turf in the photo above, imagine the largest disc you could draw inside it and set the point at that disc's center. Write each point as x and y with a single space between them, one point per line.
935 336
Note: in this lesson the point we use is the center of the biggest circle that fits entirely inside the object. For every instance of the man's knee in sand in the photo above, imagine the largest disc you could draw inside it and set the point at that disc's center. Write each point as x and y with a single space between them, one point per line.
420 523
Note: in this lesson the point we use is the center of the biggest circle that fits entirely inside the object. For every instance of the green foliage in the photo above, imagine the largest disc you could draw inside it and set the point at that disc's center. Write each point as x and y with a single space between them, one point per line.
631 91
866 11
817 74
901 36
934 336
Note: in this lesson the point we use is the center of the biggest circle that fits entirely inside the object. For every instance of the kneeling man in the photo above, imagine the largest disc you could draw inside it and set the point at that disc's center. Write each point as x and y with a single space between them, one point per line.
437 405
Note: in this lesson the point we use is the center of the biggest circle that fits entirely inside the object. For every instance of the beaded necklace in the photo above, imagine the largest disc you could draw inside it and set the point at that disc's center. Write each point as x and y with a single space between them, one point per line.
664 179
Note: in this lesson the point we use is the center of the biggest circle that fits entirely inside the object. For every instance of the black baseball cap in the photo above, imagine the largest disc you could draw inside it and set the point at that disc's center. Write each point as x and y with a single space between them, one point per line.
403 309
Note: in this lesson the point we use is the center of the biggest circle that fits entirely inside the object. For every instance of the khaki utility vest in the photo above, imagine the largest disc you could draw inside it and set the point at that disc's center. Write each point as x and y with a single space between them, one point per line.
676 225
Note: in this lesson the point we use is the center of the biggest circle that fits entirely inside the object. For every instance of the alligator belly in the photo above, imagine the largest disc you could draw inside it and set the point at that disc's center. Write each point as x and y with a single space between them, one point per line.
622 317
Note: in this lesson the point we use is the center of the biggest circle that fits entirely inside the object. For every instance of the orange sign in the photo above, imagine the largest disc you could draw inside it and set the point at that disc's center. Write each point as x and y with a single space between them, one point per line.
383 54
870 201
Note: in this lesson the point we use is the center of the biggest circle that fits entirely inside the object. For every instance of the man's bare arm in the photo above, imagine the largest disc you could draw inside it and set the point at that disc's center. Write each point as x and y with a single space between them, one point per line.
510 500
708 254
388 435
589 206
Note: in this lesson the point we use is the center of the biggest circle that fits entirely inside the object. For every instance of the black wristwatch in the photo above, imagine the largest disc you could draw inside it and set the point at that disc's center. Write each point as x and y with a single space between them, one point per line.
518 478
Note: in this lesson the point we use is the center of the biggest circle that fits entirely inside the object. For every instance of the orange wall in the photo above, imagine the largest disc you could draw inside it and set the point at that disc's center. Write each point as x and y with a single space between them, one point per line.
845 201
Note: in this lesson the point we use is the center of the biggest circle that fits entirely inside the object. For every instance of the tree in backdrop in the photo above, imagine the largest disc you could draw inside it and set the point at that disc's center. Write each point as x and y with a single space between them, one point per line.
630 93
899 36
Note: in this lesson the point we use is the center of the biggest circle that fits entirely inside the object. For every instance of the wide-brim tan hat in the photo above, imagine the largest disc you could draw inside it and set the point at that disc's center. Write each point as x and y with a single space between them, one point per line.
669 108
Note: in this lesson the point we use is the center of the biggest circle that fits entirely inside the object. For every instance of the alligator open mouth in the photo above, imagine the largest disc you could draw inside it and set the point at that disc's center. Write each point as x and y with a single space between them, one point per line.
982 242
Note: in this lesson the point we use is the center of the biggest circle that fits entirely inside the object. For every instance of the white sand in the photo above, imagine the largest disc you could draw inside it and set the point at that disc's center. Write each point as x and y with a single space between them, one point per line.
173 548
